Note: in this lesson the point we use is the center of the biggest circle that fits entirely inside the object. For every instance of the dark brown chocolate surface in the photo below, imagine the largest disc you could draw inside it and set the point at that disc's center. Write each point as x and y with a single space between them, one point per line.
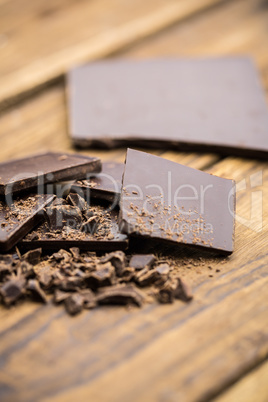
203 105
164 200
19 217
18 175
103 186
91 228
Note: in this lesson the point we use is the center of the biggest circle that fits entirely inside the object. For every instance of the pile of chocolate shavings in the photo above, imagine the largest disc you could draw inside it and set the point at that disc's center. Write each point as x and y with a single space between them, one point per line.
91 222
17 211
84 280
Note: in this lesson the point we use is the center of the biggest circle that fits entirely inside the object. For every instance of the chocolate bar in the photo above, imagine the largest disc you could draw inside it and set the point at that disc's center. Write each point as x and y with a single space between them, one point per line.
103 186
203 105
19 217
20 174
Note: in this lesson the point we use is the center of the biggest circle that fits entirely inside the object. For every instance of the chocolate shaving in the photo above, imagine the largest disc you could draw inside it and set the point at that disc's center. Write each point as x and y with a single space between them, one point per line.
126 294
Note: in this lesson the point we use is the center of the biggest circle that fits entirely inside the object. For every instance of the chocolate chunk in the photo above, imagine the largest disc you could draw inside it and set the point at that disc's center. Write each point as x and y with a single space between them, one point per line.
69 283
103 186
76 200
182 291
74 304
91 225
63 215
35 289
162 269
19 217
117 259
103 276
176 204
146 277
61 255
60 296
89 298
20 174
33 256
125 294
140 261
194 105
127 275
4 271
165 295
75 253
12 290
45 276
27 270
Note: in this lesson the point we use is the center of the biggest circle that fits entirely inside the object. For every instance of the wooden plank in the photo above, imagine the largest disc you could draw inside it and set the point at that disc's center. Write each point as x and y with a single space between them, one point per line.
181 352
71 32
173 352
253 387
237 27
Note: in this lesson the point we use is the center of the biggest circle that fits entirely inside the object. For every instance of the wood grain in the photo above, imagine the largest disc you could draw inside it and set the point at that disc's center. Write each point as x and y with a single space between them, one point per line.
253 387
237 27
188 352
71 32
158 353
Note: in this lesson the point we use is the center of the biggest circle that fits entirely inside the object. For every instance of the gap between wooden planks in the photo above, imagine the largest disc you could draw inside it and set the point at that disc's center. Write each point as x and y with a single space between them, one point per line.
45 42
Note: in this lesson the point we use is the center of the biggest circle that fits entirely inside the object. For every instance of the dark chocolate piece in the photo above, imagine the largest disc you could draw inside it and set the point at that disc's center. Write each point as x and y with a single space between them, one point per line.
117 259
74 304
103 276
63 215
77 201
34 287
146 277
176 204
18 218
182 290
89 298
20 174
33 256
165 294
60 296
103 186
45 276
12 290
125 294
211 105
163 269
140 261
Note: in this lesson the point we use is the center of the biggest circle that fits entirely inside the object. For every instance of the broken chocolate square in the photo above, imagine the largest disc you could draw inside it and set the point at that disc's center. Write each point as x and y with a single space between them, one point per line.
19 217
38 170
140 261
102 186
163 200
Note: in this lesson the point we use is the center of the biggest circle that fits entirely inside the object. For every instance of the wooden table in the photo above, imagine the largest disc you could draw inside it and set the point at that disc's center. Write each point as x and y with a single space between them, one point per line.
216 346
